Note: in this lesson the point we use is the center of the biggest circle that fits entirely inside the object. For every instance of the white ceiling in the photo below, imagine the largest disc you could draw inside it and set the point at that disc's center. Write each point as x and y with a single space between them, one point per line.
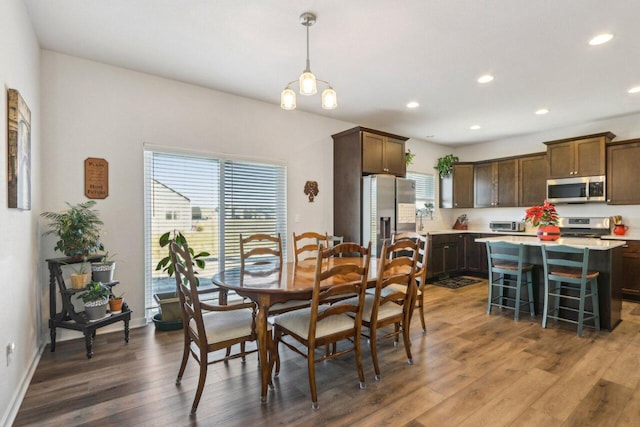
378 55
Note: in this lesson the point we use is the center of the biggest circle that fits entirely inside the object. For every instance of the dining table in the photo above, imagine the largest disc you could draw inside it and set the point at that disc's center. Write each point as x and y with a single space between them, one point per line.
267 284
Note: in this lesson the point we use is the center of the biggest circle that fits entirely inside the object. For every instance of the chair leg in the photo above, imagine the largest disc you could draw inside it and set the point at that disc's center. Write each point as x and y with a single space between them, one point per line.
277 334
545 309
532 309
396 334
595 303
501 290
373 345
202 378
242 350
518 295
583 291
358 350
311 367
183 364
490 297
407 343
421 310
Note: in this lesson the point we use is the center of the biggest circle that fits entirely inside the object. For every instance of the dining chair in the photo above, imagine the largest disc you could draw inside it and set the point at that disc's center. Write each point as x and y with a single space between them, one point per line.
308 242
509 272
394 298
567 278
261 248
321 325
421 273
208 328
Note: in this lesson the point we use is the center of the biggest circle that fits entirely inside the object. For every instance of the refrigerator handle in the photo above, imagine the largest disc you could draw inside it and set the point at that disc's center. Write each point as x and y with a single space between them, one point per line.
385 229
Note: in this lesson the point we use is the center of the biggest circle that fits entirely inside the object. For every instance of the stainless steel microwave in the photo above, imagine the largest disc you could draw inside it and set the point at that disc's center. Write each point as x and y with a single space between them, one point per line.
577 190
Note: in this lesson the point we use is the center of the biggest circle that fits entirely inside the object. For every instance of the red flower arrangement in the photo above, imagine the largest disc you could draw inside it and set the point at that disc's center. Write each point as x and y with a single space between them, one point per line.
542 215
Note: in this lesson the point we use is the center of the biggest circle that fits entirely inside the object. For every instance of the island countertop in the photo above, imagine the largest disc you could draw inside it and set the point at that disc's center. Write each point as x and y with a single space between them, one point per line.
576 242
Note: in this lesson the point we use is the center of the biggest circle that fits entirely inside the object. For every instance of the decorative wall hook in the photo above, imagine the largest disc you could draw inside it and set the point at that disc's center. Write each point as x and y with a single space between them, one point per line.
311 190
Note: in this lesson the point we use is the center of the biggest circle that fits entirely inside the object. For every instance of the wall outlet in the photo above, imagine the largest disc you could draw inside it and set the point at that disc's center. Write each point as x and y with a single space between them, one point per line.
10 349
297 218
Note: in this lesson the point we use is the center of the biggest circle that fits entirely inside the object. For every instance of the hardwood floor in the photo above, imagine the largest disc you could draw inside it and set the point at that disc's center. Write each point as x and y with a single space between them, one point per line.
469 369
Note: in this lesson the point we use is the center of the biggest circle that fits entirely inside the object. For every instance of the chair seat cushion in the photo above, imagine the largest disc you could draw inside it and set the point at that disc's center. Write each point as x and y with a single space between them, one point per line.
385 311
297 321
392 289
223 326
287 306
512 266
572 272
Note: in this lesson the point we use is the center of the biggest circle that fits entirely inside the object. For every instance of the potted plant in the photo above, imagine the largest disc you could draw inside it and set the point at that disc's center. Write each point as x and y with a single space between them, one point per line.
445 165
115 303
545 218
80 276
77 228
409 156
95 298
103 270
168 301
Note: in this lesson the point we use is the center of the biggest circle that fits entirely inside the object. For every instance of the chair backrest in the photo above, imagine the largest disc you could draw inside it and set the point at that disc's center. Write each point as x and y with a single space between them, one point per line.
421 240
308 242
262 247
397 266
559 258
348 278
187 292
501 253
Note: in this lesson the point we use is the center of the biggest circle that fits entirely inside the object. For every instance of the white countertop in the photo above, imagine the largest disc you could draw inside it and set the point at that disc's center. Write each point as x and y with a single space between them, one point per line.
576 242
628 236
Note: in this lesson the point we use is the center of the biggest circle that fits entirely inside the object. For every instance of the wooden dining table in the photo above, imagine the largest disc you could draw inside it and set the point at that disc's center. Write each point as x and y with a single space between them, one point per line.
269 284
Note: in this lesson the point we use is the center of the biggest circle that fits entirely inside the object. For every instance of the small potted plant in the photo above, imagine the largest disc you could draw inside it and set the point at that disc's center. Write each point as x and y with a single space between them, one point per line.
77 228
103 270
445 165
544 217
115 303
80 276
95 298
409 156
168 301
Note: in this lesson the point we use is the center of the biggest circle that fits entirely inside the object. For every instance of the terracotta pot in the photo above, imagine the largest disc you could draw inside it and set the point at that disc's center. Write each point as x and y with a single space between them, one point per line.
79 281
115 305
548 232
620 229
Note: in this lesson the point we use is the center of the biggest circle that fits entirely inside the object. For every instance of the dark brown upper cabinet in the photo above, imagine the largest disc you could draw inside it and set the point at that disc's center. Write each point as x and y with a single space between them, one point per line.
533 172
456 190
579 156
383 153
496 184
623 176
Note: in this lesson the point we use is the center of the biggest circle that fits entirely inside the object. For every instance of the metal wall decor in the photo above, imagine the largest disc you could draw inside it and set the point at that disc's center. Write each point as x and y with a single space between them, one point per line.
19 151
311 190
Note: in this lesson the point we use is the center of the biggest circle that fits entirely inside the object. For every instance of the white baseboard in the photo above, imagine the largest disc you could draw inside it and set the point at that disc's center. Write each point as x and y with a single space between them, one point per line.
10 415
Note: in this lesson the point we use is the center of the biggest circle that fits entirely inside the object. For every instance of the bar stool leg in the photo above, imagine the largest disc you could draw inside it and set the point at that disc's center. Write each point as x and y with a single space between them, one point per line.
583 290
545 310
532 310
490 298
518 292
501 290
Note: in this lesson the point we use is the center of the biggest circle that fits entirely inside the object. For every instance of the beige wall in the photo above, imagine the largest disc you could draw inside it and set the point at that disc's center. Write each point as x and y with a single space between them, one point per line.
19 258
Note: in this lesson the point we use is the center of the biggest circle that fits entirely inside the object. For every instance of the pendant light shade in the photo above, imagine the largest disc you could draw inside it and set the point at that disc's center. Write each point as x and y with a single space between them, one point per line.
288 99
308 83
329 99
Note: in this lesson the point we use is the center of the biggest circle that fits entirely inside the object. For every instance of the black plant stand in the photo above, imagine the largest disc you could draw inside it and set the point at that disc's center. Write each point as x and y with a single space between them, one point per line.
68 318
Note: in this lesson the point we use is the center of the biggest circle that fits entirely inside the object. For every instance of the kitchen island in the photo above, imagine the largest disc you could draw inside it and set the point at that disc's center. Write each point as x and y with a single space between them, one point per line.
605 256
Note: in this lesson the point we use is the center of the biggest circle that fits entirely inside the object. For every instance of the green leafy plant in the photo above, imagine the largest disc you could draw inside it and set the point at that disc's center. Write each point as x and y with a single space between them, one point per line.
77 228
79 268
409 156
95 291
165 263
108 258
445 165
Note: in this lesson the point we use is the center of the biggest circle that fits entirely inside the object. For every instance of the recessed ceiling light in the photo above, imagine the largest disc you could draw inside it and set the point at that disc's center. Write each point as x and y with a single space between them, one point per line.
542 111
600 39
474 127
635 89
413 104
485 79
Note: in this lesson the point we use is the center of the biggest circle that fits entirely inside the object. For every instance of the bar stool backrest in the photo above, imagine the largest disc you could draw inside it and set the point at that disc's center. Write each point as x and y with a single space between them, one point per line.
565 258
500 254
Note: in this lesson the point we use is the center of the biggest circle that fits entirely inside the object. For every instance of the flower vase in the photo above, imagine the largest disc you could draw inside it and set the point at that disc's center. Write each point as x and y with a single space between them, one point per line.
548 232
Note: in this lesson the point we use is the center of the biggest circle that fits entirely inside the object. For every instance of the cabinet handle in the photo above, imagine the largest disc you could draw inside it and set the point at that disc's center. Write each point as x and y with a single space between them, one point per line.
446 247
608 200
625 246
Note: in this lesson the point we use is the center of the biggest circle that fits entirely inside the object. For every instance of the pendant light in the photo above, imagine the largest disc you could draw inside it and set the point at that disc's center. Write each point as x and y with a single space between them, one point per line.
308 82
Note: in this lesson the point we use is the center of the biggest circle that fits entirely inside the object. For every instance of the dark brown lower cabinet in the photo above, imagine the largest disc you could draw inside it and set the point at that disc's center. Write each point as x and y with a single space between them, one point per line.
631 270
445 255
475 254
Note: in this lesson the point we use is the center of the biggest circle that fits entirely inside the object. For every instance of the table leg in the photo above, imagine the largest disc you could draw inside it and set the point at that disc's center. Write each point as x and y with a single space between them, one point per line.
263 345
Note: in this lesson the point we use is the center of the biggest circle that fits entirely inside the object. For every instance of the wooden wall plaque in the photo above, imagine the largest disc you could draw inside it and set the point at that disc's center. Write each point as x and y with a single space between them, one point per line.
96 178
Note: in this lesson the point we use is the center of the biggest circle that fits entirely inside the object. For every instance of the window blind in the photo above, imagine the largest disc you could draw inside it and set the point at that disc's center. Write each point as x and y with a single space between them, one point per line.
425 188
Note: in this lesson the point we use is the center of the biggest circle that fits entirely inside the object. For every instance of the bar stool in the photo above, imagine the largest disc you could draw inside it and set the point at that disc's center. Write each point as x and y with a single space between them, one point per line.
506 260
568 267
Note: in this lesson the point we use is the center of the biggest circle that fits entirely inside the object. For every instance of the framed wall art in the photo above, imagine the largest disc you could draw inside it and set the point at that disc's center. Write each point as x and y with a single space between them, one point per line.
19 151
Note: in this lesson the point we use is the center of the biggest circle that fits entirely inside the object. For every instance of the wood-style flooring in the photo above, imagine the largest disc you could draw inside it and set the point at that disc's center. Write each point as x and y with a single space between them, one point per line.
470 369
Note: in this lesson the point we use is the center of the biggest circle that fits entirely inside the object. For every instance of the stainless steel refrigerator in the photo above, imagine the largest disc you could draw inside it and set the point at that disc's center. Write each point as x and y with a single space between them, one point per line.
388 207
